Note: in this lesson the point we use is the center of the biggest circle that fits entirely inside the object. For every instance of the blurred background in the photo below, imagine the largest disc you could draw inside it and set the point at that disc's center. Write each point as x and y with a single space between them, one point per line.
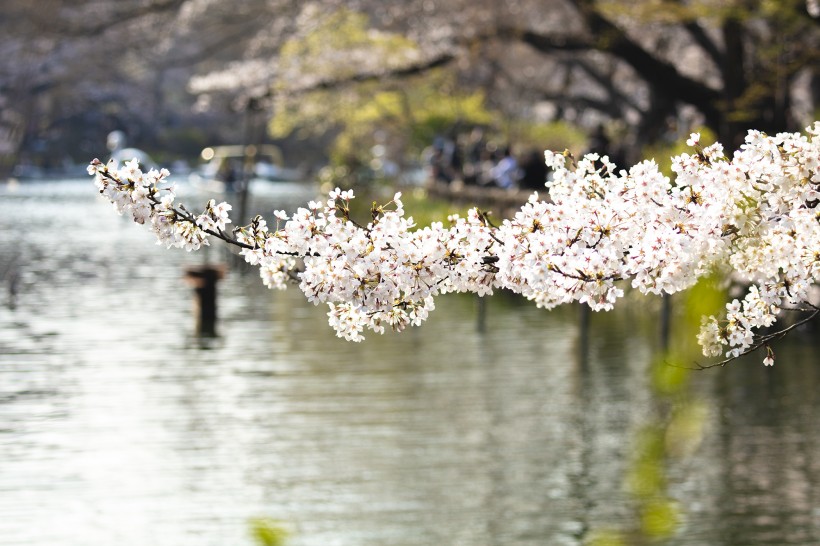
496 423
372 84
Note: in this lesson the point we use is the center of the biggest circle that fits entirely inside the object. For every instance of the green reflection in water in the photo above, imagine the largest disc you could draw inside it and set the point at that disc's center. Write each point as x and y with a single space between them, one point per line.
268 532
606 538
673 429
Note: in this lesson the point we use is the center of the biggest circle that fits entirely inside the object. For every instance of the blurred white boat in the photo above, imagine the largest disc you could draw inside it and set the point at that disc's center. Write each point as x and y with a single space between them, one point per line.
226 168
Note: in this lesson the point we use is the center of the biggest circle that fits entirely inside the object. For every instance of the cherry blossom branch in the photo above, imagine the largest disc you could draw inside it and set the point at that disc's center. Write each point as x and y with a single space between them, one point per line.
752 215
764 341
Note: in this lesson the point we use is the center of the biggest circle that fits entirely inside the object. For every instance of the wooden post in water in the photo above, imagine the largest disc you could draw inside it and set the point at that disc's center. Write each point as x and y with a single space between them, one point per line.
481 314
204 278
584 313
13 279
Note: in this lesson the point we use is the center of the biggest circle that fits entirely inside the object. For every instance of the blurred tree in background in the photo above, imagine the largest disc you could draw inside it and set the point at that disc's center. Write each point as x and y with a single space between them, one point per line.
178 74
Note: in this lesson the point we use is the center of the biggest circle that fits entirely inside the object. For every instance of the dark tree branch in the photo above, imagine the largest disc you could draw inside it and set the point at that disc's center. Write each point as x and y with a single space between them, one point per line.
699 35
661 75
605 82
705 42
541 42
98 27
585 103
363 77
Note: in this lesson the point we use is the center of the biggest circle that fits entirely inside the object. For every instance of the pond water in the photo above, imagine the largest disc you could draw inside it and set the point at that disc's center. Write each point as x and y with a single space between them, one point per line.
118 426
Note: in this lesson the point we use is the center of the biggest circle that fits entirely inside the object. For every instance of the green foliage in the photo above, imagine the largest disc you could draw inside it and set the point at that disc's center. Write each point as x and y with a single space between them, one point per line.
707 297
646 475
663 152
606 537
685 430
268 532
341 44
660 518
710 12
675 425
669 12
669 376
427 210
404 117
556 135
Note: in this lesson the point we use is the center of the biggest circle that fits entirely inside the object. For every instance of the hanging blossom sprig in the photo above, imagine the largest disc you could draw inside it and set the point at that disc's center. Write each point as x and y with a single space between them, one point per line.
752 215
384 273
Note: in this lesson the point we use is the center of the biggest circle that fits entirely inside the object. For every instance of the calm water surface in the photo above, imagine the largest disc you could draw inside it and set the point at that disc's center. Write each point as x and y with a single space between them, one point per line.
118 427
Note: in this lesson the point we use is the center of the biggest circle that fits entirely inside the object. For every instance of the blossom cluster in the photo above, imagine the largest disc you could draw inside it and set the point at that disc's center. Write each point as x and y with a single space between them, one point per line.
149 198
753 215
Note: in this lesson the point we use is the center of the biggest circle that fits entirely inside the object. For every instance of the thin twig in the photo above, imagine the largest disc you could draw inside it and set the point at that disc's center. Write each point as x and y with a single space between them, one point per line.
762 341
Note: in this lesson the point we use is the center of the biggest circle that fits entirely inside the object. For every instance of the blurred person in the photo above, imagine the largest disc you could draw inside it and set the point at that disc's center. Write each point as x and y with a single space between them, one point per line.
506 173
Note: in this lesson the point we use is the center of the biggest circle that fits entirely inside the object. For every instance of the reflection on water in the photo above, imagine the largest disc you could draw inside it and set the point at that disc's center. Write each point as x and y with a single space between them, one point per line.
117 428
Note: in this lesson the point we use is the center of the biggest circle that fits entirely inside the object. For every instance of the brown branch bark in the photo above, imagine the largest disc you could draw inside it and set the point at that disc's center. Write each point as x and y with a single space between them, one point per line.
363 77
659 74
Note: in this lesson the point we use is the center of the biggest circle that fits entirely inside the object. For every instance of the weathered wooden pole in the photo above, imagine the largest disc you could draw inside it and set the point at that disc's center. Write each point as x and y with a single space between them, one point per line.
481 314
204 279
13 279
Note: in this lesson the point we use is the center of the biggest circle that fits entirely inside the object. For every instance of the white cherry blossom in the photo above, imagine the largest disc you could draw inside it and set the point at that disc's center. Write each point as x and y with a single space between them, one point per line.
753 216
